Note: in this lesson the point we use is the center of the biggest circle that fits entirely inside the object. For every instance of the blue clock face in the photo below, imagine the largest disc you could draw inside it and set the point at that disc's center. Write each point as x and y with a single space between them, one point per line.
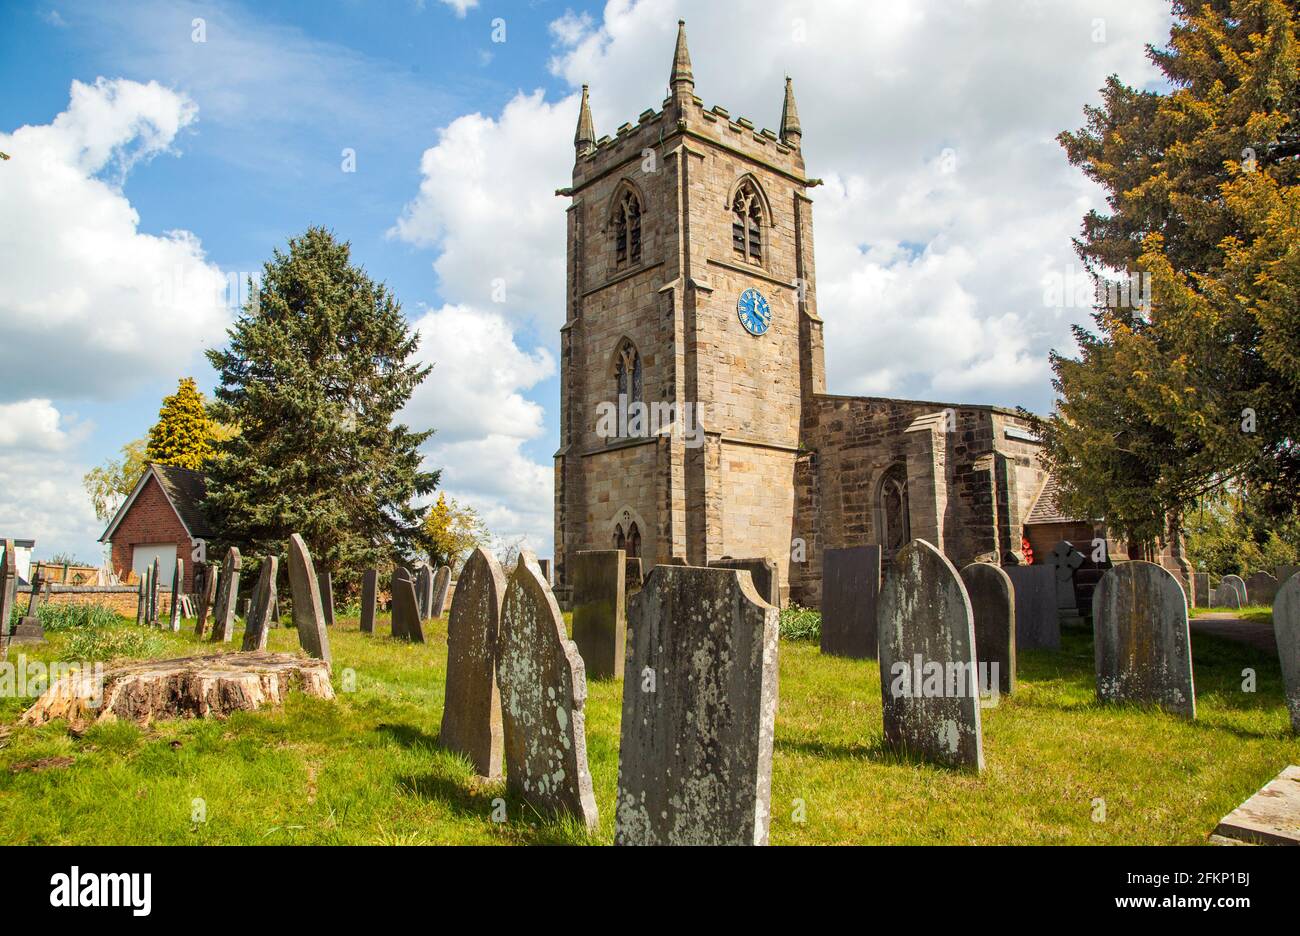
753 311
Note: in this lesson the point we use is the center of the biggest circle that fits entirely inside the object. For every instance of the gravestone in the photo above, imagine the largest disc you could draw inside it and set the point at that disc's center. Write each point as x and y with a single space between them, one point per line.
993 604
543 692
1231 592
1141 643
369 598
674 561
257 624
1283 573
1286 629
764 573
1261 588
422 578
471 714
441 582
633 578
1038 626
8 591
325 580
699 711
29 629
141 601
850 597
207 598
308 615
928 678
1201 592
545 566
223 624
406 608
155 587
1065 561
178 595
600 610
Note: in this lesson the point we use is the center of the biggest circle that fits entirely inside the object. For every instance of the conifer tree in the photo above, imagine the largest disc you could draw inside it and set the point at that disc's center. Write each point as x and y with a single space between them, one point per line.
318 365
183 435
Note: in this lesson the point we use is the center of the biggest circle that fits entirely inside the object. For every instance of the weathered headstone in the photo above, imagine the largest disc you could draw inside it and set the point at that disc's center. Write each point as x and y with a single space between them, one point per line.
1065 561
406 608
369 597
993 604
178 595
308 615
1231 592
699 711
1283 573
8 592
764 573
155 588
29 630
545 566
1201 592
325 581
928 676
421 574
223 624
600 610
257 624
1261 588
1038 626
1286 628
633 576
1141 642
850 597
543 692
441 582
141 601
471 714
207 598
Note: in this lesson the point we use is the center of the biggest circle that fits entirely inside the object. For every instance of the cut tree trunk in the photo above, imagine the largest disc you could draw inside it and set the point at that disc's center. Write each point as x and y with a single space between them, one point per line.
190 687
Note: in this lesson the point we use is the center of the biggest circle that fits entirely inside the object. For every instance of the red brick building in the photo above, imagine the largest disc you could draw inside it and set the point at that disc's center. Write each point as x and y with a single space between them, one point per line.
162 519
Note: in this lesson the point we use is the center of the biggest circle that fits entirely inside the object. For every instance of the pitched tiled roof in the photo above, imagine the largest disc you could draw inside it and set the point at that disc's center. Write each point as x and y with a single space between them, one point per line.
185 489
1047 509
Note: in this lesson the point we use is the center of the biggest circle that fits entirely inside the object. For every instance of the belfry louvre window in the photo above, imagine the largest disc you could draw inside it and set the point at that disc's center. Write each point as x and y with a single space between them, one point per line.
747 224
627 229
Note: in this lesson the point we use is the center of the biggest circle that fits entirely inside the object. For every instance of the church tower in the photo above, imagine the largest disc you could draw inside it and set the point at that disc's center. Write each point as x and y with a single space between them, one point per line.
691 347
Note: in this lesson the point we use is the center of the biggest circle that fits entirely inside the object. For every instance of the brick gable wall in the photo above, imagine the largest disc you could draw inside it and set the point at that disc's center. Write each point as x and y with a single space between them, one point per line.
151 520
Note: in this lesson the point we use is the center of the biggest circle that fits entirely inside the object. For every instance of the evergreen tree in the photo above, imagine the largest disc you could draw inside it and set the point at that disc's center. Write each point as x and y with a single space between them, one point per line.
1174 397
183 435
317 366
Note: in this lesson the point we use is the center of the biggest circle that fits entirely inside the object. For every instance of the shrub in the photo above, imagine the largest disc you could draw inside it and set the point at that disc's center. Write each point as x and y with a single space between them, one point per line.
62 617
800 623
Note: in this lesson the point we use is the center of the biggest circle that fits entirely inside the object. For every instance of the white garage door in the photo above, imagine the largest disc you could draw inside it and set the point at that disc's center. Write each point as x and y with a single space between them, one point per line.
146 553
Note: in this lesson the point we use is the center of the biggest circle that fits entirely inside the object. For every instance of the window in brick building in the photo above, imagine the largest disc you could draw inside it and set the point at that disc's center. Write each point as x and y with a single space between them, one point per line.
747 223
627 229
633 541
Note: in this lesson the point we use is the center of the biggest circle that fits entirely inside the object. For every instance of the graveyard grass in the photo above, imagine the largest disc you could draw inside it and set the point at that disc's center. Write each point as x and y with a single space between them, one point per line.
367 768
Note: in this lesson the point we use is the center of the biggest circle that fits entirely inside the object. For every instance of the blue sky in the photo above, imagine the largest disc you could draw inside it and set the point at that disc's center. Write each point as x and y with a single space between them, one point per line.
947 204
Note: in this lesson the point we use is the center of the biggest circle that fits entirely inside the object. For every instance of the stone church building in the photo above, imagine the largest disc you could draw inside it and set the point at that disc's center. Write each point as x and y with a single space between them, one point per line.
691 290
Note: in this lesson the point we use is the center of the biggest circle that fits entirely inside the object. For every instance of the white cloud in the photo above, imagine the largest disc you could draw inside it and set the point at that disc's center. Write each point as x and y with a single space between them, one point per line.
80 284
461 7
37 426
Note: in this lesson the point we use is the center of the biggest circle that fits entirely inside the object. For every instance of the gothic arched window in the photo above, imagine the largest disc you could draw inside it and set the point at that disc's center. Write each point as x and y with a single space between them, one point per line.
620 541
627 229
747 223
627 372
633 541
896 530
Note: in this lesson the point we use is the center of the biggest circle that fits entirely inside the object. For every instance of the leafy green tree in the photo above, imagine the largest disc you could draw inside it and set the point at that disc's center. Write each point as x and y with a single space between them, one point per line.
1192 379
453 530
1226 533
110 483
183 435
317 366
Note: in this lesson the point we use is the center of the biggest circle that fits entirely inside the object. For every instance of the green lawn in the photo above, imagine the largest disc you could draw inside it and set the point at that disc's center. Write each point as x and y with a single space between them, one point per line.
1260 614
367 768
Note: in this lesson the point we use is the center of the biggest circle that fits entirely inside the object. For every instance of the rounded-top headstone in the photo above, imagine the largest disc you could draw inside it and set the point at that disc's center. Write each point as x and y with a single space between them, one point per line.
993 603
471 715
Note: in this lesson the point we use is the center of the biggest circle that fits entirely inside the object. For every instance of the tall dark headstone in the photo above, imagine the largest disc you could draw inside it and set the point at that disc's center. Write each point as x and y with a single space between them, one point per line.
441 583
699 711
1141 641
471 715
369 598
258 622
543 693
850 596
308 615
928 677
207 598
406 608
155 588
1038 626
600 610
325 581
1261 588
765 574
993 603
141 600
178 593
223 624
1201 592
1286 628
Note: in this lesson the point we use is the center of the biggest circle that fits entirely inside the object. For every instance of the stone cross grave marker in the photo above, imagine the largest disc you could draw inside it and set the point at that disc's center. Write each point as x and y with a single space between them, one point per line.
928 675
1065 561
1141 642
223 624
699 711
993 603
257 625
369 599
850 599
441 582
543 693
471 714
308 615
600 610
1286 628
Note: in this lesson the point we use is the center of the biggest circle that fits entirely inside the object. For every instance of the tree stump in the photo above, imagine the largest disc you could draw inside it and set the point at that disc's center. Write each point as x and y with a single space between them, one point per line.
189 687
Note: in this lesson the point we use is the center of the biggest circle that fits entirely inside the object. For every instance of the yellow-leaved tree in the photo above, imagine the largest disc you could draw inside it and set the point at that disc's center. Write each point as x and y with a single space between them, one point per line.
184 433
452 530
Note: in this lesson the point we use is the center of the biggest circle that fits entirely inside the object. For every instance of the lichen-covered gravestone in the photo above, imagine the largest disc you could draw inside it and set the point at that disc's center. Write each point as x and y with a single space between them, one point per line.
1231 592
1141 642
600 610
543 692
1038 626
1262 588
178 588
308 615
850 599
406 608
471 714
223 624
993 603
441 582
257 624
764 573
1286 628
699 710
928 678
369 598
